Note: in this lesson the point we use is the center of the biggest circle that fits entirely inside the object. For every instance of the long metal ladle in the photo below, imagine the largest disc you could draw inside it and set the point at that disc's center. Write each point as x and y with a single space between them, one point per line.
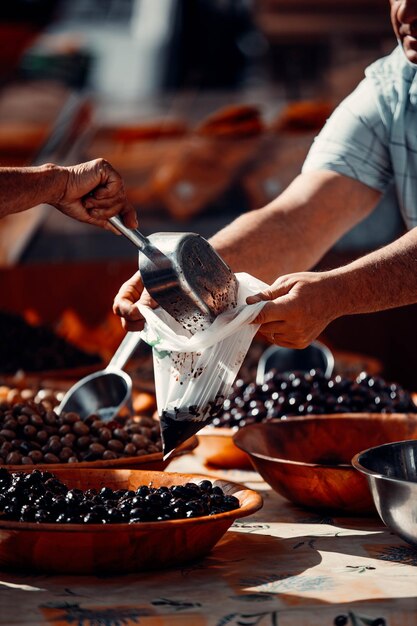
105 392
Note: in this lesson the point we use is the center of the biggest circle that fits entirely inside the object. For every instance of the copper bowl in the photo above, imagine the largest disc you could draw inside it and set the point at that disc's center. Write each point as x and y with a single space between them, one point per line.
308 459
217 449
119 548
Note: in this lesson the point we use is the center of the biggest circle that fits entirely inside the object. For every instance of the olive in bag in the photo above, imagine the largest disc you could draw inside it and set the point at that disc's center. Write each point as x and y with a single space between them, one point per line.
195 372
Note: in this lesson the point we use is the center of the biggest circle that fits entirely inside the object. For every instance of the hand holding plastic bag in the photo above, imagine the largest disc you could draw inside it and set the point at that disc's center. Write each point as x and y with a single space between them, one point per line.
194 373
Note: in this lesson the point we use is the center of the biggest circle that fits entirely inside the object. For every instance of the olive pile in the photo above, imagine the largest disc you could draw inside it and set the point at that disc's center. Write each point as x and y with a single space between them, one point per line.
39 496
310 393
30 433
36 348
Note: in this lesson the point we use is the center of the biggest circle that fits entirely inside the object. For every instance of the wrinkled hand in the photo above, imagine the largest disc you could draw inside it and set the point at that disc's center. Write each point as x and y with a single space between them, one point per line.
125 303
93 192
300 307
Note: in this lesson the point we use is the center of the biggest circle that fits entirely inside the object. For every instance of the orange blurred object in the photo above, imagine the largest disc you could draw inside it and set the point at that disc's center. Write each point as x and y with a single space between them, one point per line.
303 116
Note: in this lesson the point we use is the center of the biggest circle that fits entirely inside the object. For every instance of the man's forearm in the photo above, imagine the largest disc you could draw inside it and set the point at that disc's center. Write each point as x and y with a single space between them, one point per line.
384 279
22 188
293 232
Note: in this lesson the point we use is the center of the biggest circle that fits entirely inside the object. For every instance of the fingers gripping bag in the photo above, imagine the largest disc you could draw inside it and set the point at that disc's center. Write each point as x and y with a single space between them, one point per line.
195 372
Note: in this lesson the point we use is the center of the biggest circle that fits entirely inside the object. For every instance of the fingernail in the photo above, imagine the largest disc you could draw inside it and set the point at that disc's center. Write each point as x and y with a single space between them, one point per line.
253 299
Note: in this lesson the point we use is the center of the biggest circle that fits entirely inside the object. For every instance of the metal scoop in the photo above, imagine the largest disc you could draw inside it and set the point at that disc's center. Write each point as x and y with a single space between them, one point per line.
184 275
105 392
189 280
281 359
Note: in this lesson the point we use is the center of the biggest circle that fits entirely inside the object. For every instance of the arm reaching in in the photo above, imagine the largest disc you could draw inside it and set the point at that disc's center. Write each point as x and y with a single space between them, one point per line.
293 232
290 234
301 305
89 192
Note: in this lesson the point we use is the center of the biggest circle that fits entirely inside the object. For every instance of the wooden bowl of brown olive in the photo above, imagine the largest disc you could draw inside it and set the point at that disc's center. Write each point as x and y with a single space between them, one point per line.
31 434
81 521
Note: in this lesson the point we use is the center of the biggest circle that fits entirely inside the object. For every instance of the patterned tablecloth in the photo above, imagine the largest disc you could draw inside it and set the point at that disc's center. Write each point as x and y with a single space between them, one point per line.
284 566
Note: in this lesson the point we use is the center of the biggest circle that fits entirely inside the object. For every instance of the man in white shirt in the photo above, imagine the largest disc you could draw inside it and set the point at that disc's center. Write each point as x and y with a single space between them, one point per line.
368 145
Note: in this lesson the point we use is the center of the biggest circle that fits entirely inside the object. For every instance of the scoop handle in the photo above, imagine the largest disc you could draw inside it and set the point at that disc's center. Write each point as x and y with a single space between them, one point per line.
136 237
125 350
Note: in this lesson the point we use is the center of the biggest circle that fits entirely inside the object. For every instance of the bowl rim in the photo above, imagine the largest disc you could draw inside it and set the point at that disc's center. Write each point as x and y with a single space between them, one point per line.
309 418
243 511
364 470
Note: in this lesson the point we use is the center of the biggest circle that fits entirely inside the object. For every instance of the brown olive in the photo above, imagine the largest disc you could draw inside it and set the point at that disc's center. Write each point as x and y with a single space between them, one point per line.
51 458
29 431
22 419
68 440
36 420
83 442
108 455
54 446
8 434
50 418
130 449
70 418
79 428
96 448
5 448
14 458
36 456
120 433
42 436
115 445
65 454
10 424
139 440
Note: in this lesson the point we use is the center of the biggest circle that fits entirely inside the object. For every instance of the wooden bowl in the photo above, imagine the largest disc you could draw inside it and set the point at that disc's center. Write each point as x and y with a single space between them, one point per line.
308 459
119 548
154 461
217 448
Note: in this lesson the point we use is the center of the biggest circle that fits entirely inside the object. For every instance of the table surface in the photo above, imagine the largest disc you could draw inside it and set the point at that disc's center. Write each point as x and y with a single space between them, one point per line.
283 566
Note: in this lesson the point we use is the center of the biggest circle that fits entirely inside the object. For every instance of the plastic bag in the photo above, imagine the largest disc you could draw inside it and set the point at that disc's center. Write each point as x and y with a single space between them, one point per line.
194 373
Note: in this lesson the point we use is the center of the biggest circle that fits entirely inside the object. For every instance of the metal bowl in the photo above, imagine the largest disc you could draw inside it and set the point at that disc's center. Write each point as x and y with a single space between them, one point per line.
391 470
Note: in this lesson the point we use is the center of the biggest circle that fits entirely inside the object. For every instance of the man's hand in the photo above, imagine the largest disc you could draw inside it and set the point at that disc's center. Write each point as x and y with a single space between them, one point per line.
300 307
93 192
125 303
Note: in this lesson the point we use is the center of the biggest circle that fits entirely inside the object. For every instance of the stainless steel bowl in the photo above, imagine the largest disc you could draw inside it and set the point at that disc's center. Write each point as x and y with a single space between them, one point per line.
391 470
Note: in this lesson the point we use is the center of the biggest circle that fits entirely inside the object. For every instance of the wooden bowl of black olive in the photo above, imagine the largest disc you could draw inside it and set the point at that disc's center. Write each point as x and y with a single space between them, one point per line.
285 395
77 521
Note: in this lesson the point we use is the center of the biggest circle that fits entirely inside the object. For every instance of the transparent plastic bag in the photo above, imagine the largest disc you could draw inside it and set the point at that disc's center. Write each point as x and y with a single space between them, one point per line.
194 373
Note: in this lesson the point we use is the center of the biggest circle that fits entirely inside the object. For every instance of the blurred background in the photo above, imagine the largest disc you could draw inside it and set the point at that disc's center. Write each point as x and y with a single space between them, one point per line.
206 107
